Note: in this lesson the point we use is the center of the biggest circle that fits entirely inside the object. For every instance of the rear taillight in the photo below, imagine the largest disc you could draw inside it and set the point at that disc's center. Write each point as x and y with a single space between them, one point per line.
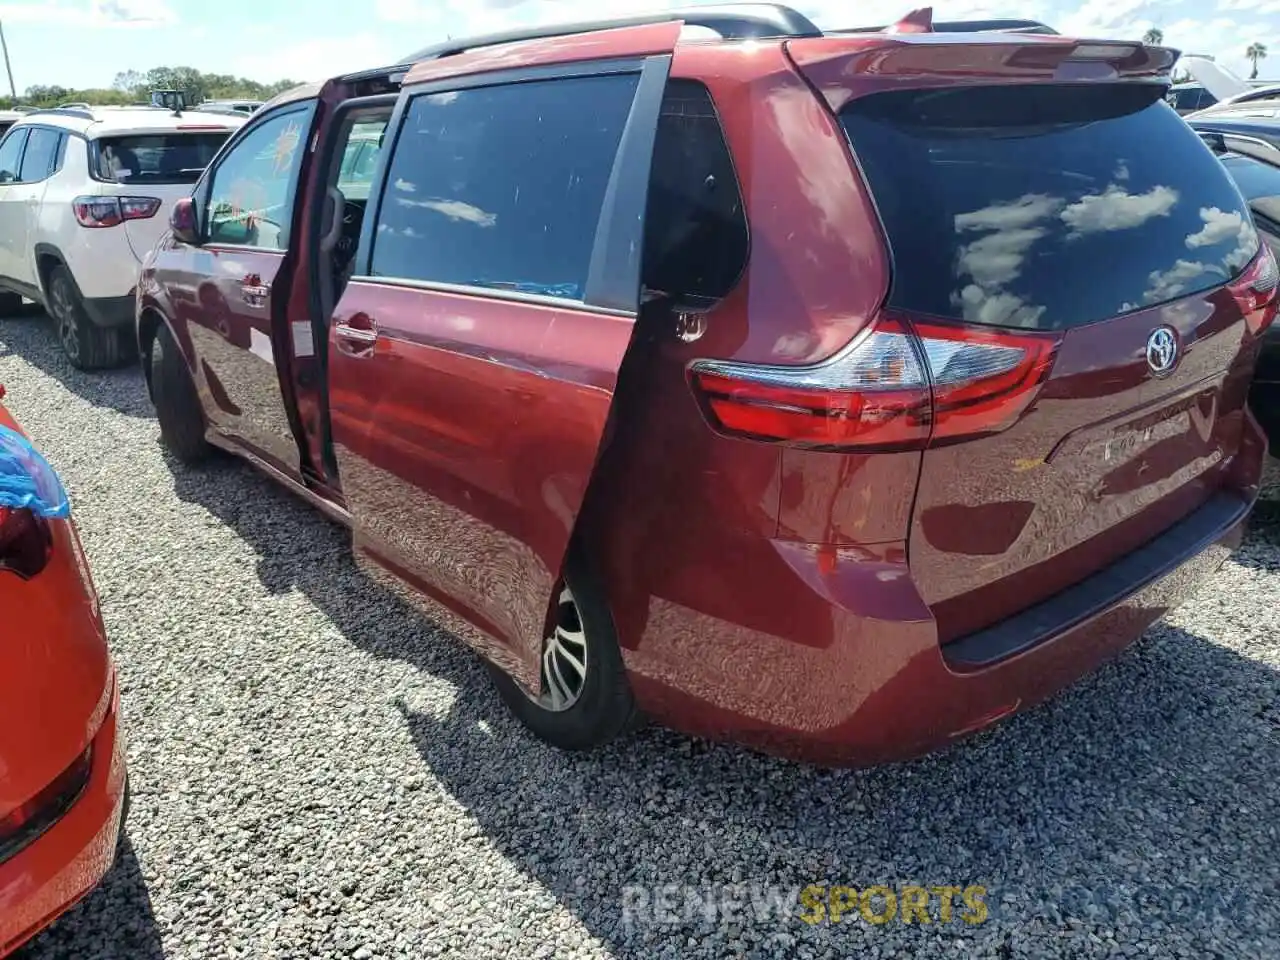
1257 290
25 542
113 211
30 494
890 389
983 379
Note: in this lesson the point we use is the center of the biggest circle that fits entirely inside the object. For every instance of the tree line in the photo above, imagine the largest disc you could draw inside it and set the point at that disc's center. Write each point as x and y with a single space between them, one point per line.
133 86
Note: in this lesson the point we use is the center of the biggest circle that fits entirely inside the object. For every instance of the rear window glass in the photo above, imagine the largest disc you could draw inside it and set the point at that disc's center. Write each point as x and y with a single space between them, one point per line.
1045 207
160 158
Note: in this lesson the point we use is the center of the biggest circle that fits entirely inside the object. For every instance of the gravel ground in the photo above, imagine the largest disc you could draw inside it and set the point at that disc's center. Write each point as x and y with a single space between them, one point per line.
318 774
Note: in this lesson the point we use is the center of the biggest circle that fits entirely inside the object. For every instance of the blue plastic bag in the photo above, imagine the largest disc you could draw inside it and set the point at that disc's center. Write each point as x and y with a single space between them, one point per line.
26 479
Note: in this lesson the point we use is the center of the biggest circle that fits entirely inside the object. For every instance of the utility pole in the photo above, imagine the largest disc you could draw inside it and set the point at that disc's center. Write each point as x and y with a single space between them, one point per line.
13 90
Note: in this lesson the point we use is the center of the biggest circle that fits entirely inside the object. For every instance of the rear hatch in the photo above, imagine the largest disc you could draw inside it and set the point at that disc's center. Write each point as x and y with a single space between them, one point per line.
149 170
1078 228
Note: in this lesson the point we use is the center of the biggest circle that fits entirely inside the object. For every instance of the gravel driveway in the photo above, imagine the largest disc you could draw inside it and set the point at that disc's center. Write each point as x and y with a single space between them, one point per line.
318 774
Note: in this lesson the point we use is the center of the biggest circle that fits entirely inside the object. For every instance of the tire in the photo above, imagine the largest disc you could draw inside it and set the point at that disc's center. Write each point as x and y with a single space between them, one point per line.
88 347
176 401
603 708
10 305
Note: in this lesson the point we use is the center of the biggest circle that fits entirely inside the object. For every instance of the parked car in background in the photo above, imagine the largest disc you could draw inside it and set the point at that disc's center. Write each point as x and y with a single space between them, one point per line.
7 119
62 766
1248 135
603 362
84 195
1251 154
245 107
1234 97
1189 97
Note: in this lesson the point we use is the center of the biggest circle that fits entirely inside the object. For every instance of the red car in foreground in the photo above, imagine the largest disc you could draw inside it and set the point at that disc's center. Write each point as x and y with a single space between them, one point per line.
835 393
62 771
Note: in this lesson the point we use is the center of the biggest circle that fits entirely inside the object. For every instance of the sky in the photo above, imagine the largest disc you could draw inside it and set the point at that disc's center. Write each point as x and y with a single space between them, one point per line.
85 43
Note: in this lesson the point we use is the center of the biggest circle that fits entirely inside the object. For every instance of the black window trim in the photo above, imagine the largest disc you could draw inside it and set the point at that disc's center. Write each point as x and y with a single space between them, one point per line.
201 189
613 274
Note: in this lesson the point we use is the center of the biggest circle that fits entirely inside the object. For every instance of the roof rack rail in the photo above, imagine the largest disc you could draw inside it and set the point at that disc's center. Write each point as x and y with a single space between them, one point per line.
733 21
76 112
970 26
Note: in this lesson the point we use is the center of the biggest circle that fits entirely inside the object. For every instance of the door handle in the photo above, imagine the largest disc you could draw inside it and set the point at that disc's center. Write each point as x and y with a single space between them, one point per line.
254 294
356 336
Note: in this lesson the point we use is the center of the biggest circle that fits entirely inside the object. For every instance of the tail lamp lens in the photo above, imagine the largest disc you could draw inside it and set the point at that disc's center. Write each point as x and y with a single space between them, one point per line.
96 212
1257 290
30 492
898 386
25 542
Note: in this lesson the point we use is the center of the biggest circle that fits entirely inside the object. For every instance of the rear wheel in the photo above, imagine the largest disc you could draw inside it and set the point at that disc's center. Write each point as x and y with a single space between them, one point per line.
586 701
88 347
176 401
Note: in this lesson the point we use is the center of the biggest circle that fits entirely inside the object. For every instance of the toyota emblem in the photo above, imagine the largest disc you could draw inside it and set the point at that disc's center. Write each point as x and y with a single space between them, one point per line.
1162 350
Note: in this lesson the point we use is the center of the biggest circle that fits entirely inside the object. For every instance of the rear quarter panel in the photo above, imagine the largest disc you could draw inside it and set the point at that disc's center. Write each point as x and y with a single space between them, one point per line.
680 517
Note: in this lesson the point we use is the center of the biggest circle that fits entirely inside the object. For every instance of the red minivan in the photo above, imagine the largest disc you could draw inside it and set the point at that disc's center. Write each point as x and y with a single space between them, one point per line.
838 394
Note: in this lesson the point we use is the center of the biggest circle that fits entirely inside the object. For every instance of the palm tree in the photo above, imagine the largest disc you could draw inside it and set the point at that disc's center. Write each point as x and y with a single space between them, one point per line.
1256 52
1154 37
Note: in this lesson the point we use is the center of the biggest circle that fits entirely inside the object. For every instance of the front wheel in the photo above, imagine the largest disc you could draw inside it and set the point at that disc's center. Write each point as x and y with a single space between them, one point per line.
586 701
88 347
176 401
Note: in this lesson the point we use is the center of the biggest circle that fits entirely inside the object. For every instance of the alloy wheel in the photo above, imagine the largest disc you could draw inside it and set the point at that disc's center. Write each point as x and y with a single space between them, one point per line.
65 317
564 657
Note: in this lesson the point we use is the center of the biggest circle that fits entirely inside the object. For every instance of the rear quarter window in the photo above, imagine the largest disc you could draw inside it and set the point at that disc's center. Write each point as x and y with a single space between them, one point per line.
1045 207
696 228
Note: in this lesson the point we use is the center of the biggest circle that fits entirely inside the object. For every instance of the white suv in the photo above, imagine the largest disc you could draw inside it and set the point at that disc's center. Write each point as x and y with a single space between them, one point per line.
83 198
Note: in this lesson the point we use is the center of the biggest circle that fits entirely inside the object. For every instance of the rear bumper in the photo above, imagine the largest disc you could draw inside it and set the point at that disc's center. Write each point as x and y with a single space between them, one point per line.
50 875
110 311
877 686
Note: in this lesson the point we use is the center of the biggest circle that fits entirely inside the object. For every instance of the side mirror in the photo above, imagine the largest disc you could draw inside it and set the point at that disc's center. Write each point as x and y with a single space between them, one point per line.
182 222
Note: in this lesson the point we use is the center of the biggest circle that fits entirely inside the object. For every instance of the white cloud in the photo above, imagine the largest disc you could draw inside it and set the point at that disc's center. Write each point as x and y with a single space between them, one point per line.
1219 225
94 13
1167 284
140 12
996 308
996 259
1117 209
456 210
308 60
1018 214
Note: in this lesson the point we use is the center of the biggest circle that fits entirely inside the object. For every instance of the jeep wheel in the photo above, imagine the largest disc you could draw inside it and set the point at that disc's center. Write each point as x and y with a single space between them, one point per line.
87 347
